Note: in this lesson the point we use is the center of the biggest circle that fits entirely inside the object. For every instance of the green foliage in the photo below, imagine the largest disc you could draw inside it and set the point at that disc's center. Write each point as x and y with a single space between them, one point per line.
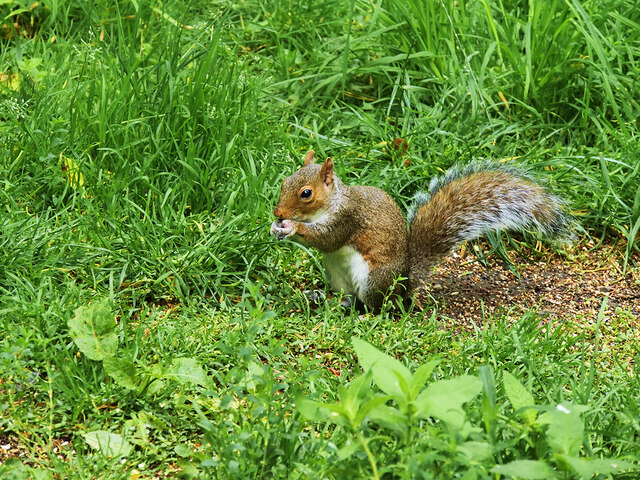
530 469
14 469
187 371
93 331
519 397
151 326
109 444
560 430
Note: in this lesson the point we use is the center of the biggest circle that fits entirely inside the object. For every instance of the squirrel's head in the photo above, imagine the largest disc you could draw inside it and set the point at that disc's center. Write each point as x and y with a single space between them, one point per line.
305 194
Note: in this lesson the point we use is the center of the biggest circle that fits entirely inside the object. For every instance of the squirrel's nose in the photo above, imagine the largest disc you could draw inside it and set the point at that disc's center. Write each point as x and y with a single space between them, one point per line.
277 212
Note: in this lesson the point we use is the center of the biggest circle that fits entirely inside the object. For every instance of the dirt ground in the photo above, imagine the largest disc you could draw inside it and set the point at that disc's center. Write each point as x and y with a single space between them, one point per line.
557 287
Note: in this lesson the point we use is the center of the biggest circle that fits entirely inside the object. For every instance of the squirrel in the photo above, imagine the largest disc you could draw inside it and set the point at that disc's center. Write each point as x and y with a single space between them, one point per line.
364 236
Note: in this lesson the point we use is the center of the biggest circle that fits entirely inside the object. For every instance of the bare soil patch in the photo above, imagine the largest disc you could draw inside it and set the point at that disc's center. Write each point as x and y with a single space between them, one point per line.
558 288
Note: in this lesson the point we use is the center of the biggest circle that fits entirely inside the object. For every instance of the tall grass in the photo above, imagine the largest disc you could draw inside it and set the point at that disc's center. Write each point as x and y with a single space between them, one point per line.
142 145
151 135
554 82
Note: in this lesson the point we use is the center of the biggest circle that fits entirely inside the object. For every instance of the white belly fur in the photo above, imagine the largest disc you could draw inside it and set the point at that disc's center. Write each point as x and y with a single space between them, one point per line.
347 270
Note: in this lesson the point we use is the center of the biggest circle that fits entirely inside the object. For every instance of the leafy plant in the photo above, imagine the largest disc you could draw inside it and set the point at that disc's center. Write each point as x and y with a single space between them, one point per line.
14 469
142 145
404 402
93 331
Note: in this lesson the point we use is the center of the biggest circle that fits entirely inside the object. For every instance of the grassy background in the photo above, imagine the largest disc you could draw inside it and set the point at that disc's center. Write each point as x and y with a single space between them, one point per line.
142 147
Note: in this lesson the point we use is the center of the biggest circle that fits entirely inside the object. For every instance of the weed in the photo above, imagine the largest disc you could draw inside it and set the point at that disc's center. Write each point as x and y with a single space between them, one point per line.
150 326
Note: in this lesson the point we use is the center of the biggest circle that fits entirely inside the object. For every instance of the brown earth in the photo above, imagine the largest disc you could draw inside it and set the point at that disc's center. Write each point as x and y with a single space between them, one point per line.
557 287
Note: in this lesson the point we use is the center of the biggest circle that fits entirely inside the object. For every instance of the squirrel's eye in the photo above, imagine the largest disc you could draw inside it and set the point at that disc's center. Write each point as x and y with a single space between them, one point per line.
305 193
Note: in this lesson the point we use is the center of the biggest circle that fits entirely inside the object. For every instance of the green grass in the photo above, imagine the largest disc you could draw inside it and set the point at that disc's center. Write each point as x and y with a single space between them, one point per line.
142 145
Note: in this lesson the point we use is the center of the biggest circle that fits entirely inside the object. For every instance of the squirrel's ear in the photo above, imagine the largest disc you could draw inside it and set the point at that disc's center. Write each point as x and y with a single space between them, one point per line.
326 172
308 159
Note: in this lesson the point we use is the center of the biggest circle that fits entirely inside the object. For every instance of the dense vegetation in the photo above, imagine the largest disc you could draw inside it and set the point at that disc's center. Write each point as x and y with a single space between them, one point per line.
150 325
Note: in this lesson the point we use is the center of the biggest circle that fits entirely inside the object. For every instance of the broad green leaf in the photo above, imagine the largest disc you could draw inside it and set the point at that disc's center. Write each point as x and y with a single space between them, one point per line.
474 451
93 331
39 474
352 395
587 468
443 399
338 414
14 469
382 366
183 450
389 417
254 377
566 429
368 406
526 469
122 371
187 371
349 449
322 412
519 396
400 381
188 469
312 410
420 377
110 444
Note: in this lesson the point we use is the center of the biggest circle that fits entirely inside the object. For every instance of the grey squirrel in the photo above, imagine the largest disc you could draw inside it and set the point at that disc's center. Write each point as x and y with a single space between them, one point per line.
363 234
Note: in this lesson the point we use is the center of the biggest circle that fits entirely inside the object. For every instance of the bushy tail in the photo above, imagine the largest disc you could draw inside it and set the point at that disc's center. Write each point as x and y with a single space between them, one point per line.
467 202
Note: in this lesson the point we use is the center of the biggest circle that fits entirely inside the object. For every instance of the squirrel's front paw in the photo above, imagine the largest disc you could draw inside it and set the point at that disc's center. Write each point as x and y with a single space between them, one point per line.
283 229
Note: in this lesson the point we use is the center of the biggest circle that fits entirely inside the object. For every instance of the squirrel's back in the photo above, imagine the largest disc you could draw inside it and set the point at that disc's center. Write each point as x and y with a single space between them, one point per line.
467 202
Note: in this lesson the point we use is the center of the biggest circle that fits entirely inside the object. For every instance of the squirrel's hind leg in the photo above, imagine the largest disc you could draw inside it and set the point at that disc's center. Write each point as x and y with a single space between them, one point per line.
316 296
